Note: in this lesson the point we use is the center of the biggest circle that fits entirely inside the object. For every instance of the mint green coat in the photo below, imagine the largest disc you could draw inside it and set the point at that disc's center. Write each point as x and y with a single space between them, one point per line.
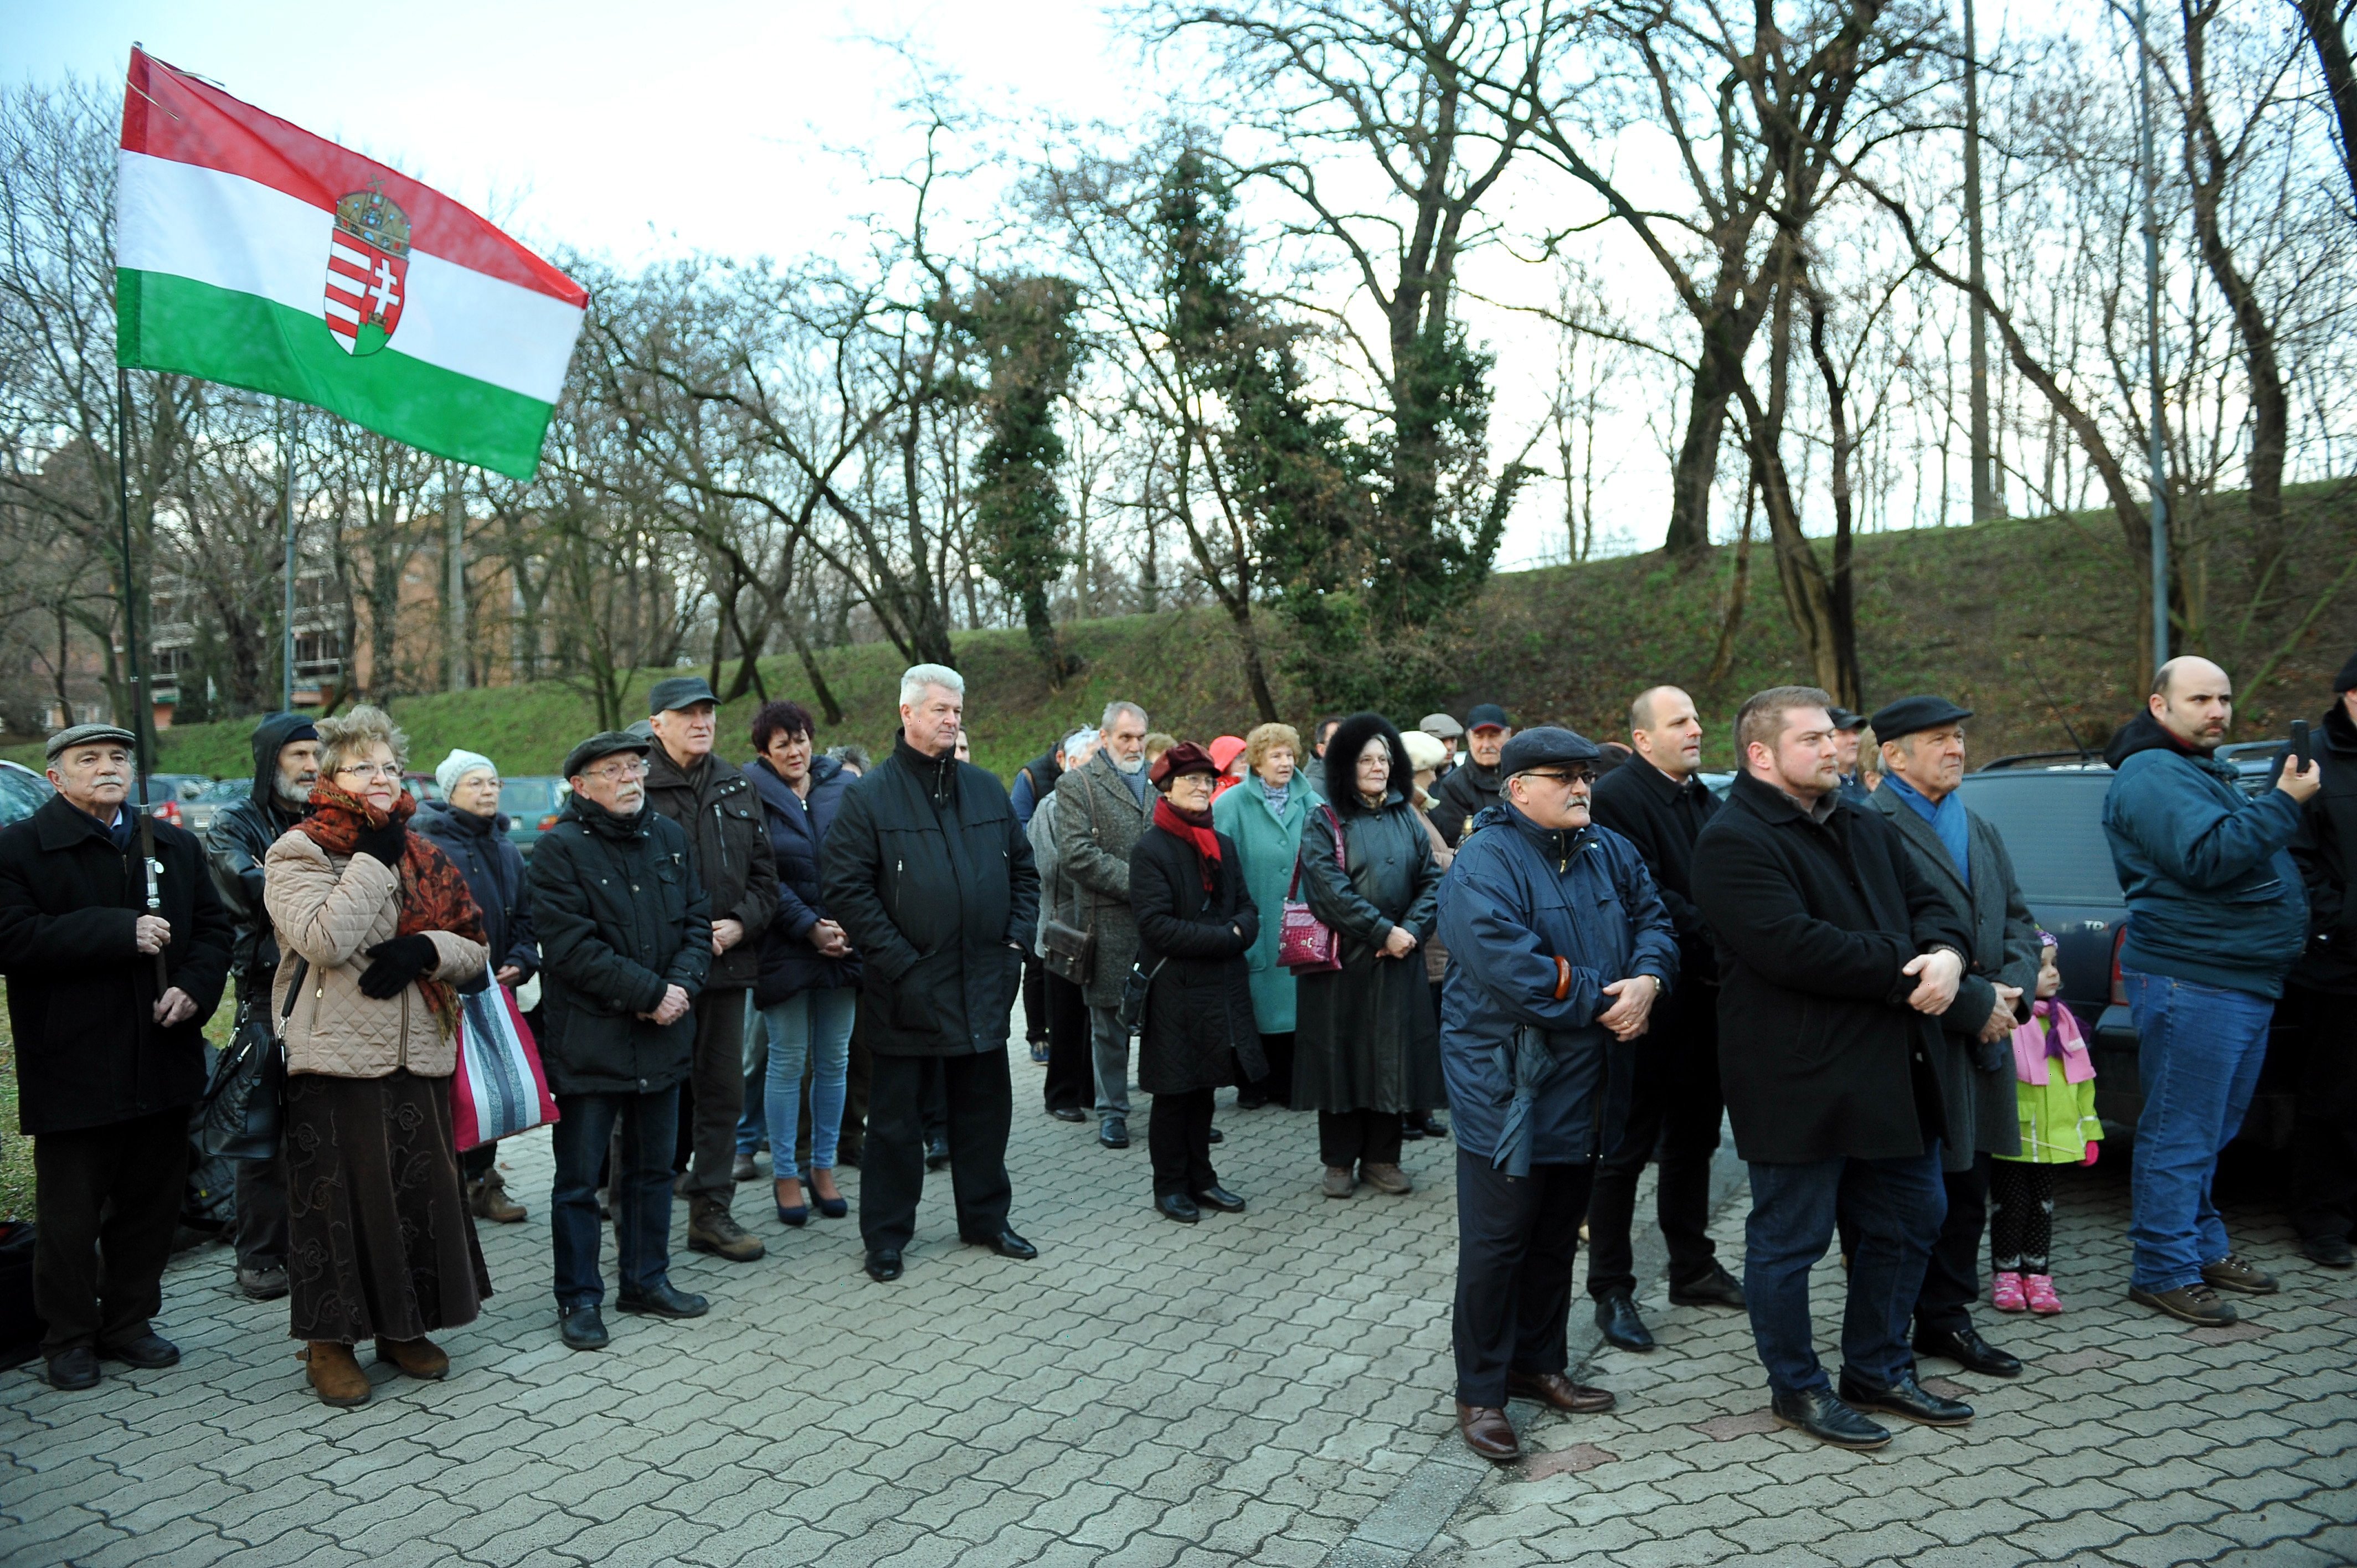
1267 847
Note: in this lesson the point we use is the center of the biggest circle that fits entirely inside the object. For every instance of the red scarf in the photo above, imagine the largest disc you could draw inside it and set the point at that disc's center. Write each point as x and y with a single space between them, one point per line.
1195 828
434 895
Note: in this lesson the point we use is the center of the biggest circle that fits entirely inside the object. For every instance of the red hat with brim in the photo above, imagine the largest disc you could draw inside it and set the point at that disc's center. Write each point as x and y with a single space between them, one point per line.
1184 757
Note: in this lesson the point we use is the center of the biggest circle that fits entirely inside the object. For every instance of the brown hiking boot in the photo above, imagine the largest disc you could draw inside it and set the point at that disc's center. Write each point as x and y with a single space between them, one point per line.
710 1228
2237 1274
2188 1304
334 1374
1385 1178
489 1197
418 1357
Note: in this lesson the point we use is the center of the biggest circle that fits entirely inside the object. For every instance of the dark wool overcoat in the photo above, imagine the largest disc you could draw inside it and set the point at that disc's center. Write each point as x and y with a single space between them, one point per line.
1199 1013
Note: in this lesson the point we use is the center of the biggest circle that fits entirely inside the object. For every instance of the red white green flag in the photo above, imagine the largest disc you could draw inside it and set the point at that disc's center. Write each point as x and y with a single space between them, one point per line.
251 253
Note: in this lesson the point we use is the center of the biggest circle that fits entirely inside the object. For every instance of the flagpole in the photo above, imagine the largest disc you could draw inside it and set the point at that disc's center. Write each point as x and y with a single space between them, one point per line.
286 518
139 720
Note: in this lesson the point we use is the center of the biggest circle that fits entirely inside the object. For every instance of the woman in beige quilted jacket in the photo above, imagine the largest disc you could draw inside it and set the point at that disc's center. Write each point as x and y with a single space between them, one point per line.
378 931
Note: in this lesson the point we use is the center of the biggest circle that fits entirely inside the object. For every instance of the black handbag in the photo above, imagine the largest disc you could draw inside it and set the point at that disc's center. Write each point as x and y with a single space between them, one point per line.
244 1101
1134 988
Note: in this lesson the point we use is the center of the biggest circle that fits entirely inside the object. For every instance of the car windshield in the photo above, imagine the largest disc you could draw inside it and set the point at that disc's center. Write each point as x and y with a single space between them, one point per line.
528 800
20 795
2053 824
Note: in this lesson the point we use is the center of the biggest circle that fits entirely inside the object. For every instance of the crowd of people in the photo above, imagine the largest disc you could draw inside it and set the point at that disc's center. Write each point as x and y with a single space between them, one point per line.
1576 947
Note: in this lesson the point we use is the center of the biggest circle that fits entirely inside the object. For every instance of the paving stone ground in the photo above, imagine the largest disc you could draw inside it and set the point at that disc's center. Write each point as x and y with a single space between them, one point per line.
1269 1388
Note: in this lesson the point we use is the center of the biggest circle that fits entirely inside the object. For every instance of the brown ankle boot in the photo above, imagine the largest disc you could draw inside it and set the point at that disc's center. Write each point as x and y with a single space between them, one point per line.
489 1195
418 1357
334 1374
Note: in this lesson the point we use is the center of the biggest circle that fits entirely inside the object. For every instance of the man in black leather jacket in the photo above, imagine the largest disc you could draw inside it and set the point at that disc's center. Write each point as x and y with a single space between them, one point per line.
286 767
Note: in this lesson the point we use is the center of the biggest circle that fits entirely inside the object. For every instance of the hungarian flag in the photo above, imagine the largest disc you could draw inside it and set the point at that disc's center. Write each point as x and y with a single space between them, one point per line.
250 251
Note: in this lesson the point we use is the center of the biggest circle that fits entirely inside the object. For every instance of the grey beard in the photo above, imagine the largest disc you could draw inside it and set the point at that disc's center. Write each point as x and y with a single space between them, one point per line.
1132 764
294 799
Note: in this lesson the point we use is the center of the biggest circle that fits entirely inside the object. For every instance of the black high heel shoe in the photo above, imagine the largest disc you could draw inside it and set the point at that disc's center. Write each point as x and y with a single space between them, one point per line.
797 1216
834 1207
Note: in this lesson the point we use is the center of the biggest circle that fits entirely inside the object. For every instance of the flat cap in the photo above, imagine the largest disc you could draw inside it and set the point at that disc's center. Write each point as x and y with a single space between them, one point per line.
1488 716
1184 757
1908 715
1845 718
1546 746
1440 724
605 743
680 691
86 734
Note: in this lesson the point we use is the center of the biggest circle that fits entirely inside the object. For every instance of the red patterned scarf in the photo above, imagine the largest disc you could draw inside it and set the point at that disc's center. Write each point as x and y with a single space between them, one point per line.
434 896
1195 827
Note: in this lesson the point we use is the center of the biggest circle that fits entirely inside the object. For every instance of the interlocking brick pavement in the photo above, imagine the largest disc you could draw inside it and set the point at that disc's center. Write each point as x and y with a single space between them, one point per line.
1269 1388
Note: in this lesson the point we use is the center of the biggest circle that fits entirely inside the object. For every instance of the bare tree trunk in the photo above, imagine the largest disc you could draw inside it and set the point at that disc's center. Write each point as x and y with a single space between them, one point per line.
2320 20
1722 659
1986 502
1844 601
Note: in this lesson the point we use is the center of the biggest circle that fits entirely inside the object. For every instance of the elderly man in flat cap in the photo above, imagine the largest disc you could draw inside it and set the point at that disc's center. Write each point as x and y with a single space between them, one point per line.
108 996
729 846
1559 945
1922 741
625 943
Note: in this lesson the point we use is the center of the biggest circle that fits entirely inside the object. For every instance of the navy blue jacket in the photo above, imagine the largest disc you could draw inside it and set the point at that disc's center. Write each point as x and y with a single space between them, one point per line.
798 827
2213 893
493 867
1517 898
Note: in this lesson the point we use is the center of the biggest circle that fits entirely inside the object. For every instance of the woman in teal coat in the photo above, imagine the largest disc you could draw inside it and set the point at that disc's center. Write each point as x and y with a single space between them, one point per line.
1263 815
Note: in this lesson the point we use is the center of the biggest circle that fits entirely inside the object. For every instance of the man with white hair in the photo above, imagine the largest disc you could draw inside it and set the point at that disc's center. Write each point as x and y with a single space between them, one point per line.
929 873
1101 812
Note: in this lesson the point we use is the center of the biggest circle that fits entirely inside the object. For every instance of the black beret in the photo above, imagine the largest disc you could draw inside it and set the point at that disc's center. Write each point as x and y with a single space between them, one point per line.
1908 715
1546 746
680 691
604 744
2347 680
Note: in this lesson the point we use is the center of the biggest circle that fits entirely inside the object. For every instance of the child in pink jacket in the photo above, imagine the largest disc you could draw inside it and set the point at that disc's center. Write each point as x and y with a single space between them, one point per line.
2055 1091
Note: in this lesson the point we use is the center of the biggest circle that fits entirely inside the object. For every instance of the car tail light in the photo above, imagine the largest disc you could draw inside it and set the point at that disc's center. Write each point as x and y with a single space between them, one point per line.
548 821
2119 982
166 811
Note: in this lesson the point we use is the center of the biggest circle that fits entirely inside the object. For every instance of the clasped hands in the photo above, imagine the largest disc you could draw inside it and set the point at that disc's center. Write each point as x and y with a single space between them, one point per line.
1632 1008
670 1009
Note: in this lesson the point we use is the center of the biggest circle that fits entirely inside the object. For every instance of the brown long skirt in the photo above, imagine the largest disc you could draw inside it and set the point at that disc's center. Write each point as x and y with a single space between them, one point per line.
381 1241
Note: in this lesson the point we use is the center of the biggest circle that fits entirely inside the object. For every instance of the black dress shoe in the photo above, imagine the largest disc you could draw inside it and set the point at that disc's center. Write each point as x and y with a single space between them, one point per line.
1006 1244
1220 1199
1411 1129
1178 1205
1114 1132
2332 1251
884 1265
150 1351
1967 1348
1821 1414
665 1300
1617 1315
1251 1098
75 1367
1068 1113
1907 1398
937 1153
582 1328
1717 1288
1215 1136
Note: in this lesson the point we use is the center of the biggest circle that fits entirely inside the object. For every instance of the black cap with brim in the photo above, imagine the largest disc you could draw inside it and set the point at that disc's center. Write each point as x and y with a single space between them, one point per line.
1909 714
1845 718
1489 716
680 691
2347 680
604 744
88 735
1546 746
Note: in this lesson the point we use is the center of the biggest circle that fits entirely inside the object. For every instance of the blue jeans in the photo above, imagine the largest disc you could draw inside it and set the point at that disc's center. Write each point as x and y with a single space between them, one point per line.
1894 1206
2199 1048
641 1187
813 1025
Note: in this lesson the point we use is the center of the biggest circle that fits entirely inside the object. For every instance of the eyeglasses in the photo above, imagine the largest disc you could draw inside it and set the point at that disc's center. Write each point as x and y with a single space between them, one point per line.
617 772
1576 776
490 779
370 770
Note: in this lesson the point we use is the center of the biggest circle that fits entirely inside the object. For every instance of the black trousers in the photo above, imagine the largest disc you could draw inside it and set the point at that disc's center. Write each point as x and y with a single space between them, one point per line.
1952 1278
262 1213
106 1201
1346 1138
1178 1139
1071 1083
1035 999
1278 1085
2324 1113
713 1099
1516 1238
1674 1108
980 1103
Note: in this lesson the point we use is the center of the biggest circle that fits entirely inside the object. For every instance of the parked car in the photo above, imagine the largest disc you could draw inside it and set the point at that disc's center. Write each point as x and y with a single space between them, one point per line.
197 815
2049 808
169 794
421 786
530 804
22 792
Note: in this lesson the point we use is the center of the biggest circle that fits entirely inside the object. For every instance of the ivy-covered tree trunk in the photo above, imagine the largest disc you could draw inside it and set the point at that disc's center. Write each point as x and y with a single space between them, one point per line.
1023 327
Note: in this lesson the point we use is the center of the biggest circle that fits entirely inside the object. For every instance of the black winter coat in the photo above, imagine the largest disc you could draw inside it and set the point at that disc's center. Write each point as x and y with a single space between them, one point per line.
1467 791
728 847
1819 1053
928 873
798 828
620 916
1663 820
81 997
493 867
241 835
2325 849
1198 1013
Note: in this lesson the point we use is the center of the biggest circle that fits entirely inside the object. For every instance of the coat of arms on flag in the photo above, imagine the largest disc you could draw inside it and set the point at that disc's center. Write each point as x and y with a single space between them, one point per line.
368 272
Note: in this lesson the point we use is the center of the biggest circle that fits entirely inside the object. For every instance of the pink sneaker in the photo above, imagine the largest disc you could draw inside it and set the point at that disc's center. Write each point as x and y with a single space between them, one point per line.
2004 1291
2038 1289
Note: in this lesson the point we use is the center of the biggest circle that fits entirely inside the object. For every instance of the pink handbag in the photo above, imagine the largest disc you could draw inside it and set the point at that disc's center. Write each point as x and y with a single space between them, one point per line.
1305 944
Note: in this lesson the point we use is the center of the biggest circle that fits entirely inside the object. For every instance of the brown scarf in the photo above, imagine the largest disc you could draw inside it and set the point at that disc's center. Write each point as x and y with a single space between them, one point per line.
434 896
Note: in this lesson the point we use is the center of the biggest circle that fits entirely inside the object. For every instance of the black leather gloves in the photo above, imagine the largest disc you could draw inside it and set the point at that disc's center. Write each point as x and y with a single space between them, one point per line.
385 844
395 964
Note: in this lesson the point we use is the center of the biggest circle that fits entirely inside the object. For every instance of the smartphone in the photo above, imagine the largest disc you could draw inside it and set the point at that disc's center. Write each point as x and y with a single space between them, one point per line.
2300 756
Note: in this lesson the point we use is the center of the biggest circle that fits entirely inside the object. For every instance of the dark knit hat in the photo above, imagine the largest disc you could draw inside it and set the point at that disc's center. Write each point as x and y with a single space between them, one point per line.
2347 680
